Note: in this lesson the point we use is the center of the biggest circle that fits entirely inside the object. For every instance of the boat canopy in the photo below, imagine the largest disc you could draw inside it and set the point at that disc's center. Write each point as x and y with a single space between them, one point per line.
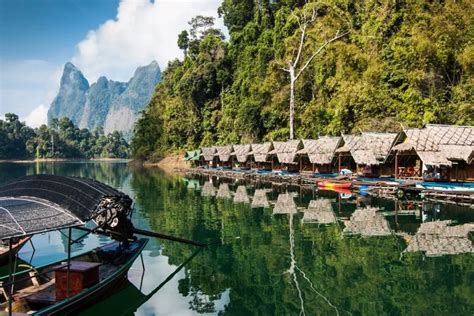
41 203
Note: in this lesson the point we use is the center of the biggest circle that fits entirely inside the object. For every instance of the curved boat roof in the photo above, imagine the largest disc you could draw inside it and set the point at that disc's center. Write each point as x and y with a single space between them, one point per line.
39 203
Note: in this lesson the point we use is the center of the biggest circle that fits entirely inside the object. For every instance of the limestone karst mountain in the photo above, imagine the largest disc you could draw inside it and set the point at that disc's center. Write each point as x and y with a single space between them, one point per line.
109 104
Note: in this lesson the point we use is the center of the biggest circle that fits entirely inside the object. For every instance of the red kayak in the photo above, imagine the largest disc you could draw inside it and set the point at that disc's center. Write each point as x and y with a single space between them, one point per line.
334 185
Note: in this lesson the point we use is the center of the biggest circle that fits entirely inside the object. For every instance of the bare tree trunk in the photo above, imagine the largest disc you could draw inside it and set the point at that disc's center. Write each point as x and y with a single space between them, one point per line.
292 101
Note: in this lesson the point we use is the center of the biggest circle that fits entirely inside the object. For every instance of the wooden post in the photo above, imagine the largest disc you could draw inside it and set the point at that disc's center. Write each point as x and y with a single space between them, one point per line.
396 165
339 163
301 164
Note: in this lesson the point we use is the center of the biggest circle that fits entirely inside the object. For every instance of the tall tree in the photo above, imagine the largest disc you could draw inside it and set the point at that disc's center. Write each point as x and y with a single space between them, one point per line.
294 69
183 42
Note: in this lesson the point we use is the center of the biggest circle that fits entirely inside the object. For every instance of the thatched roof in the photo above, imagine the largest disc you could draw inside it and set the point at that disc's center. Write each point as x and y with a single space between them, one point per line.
319 211
438 144
260 198
369 148
286 151
224 191
208 189
224 152
367 222
208 153
241 195
285 204
260 151
242 152
320 151
192 155
439 238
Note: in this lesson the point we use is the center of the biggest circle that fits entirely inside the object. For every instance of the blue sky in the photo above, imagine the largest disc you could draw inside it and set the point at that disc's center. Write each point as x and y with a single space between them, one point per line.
101 37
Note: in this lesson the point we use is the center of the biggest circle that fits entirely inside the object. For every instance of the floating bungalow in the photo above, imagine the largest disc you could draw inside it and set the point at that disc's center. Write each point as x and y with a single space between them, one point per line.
367 222
319 211
368 154
283 155
440 238
194 156
209 156
261 155
319 155
285 204
241 195
224 154
436 153
260 199
243 156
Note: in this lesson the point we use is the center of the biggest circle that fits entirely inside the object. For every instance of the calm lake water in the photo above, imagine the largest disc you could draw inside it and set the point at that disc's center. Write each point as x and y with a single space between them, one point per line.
276 250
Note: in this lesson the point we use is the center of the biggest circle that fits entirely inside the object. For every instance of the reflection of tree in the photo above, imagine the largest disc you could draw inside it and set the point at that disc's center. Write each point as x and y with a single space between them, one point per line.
331 271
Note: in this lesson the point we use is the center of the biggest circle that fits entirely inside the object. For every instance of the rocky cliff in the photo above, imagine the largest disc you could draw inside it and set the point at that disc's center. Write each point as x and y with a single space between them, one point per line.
109 104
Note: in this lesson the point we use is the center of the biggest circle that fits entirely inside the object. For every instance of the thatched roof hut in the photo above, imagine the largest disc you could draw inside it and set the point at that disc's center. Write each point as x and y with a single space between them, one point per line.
260 152
192 155
439 144
439 238
224 152
369 148
241 195
260 198
319 211
242 152
286 151
208 189
367 222
321 151
208 153
285 204
224 191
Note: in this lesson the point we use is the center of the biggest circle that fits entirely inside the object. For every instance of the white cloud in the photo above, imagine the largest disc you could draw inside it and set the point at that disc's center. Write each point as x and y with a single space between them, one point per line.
37 117
141 32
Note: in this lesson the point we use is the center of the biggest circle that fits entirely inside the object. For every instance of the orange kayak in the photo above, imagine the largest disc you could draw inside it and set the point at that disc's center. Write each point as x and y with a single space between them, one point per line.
333 185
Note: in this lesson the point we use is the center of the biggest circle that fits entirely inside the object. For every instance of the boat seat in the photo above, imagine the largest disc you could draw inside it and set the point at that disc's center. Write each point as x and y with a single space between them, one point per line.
45 294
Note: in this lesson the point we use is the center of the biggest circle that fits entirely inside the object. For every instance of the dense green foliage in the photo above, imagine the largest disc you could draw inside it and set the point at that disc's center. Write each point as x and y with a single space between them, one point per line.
61 140
408 62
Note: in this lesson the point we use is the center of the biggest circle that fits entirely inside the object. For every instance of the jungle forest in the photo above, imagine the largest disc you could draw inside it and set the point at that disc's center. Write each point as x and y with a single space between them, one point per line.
298 69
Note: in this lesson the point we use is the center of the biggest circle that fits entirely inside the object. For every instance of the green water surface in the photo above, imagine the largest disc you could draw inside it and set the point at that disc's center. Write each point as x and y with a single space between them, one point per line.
269 260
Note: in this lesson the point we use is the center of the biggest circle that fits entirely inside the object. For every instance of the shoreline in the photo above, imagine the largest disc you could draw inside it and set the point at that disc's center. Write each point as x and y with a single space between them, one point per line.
61 160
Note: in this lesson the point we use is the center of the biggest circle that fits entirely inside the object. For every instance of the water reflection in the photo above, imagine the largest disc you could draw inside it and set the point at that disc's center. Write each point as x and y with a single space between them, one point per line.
265 258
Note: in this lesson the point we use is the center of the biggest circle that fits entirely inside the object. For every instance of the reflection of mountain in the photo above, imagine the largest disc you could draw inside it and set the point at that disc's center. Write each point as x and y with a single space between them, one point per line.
285 204
319 211
241 195
224 191
367 222
260 199
439 238
208 189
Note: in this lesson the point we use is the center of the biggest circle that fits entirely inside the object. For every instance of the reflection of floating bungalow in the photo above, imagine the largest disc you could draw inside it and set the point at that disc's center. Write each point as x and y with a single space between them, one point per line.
318 155
319 211
438 238
285 204
209 155
224 191
284 154
241 195
436 153
208 189
368 154
367 222
224 153
193 156
243 157
261 157
260 199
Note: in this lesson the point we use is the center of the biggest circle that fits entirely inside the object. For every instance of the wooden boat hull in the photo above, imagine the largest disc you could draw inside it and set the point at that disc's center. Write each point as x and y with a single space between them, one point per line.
334 185
5 254
115 263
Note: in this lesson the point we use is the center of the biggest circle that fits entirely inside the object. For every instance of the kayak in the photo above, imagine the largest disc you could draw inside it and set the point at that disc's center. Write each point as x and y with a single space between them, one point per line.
334 185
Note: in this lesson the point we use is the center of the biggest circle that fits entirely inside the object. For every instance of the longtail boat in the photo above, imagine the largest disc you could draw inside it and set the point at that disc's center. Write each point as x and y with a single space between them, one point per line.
42 203
16 246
